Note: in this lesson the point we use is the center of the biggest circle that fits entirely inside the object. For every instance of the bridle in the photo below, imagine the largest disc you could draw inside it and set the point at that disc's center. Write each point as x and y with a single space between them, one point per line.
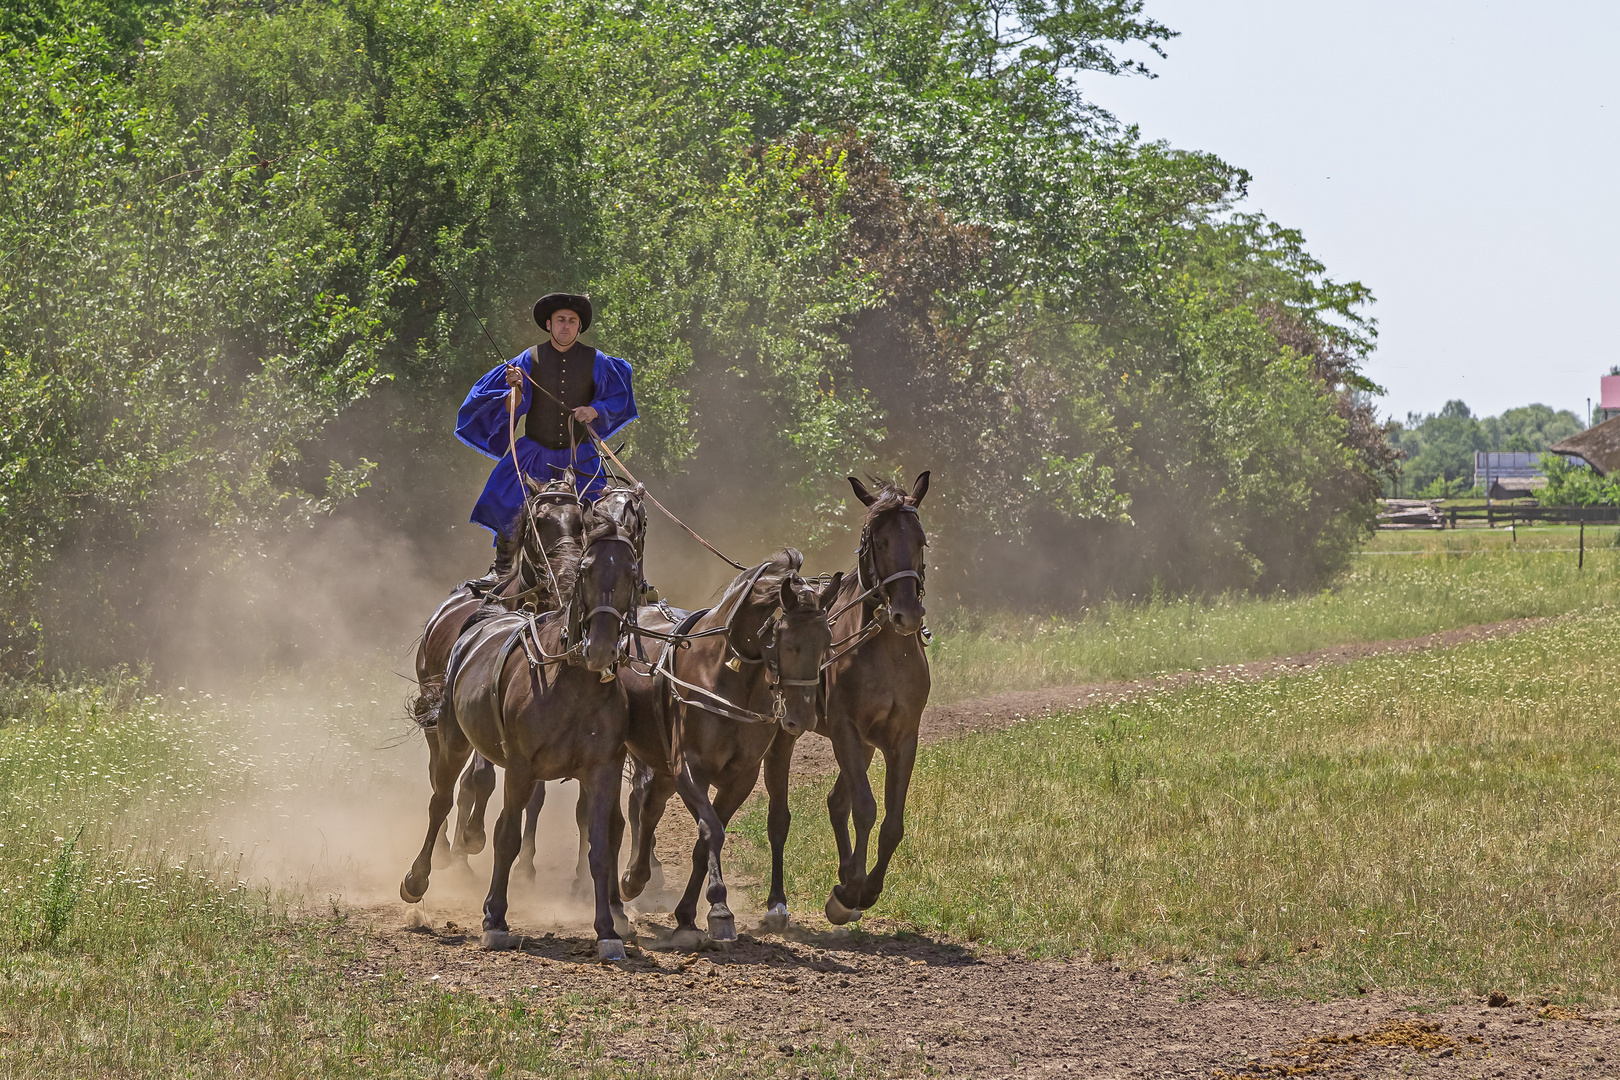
870 586
526 560
768 634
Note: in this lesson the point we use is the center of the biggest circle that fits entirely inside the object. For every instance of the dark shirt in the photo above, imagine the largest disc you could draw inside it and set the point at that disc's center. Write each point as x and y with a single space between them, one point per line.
568 376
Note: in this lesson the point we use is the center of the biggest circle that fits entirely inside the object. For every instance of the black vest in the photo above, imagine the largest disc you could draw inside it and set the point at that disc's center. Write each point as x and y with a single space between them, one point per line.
570 376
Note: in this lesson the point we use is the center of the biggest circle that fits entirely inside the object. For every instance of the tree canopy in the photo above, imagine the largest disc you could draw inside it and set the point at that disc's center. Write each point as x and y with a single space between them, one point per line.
235 238
1440 447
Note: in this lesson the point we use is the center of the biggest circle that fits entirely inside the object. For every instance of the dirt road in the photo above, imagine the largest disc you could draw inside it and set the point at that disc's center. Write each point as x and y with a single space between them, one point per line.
912 1006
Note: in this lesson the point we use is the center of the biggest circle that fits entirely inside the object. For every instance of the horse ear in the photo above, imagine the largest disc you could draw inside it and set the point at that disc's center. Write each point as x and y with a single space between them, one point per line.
919 489
531 485
830 593
788 598
568 475
866 497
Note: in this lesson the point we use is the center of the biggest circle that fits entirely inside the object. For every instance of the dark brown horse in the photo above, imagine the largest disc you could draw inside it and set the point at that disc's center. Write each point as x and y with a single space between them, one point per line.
877 686
544 537
537 696
624 507
707 710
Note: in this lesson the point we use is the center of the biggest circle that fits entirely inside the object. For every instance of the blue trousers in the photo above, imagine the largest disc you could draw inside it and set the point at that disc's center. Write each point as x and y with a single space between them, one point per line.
502 500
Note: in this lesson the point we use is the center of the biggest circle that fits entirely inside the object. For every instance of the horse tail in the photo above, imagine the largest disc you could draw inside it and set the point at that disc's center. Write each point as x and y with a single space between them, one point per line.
427 705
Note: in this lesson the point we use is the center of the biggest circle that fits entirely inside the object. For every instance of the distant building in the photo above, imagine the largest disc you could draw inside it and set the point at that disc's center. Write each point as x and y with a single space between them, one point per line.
1609 399
1493 465
1515 487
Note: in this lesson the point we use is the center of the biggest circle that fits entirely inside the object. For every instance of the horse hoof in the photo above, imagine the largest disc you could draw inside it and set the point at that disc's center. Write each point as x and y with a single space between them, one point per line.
628 889
472 842
499 940
776 919
686 939
416 918
837 913
610 949
622 927
723 927
407 895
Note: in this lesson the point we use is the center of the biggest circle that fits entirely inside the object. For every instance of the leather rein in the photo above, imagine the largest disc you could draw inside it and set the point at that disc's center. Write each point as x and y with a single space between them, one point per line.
680 637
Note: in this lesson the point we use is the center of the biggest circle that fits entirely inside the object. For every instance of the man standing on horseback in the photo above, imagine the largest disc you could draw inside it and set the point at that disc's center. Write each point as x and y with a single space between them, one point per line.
567 391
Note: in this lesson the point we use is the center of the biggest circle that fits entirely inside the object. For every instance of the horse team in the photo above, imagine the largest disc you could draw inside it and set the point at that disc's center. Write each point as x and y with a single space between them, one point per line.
559 670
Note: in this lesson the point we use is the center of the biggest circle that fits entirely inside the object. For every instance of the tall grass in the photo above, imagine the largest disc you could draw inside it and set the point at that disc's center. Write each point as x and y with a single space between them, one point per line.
1466 577
1442 821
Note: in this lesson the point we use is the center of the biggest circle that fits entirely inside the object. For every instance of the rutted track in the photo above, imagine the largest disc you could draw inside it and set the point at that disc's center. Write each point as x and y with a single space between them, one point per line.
813 756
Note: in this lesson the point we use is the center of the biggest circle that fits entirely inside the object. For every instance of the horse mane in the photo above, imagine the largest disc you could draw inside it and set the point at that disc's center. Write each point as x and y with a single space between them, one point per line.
506 546
781 566
565 559
887 495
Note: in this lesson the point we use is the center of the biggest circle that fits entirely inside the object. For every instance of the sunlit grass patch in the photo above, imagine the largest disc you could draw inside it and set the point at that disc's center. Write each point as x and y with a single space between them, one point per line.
1439 821
1382 597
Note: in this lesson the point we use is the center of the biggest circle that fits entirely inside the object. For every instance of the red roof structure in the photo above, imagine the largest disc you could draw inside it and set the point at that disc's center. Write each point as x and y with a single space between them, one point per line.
1610 390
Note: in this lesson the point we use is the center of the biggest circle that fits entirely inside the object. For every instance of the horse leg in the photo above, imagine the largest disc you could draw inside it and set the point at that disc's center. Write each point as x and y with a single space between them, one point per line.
451 750
843 903
640 801
694 792
777 759
477 785
584 886
441 844
649 794
601 793
531 825
722 923
621 922
897 768
508 838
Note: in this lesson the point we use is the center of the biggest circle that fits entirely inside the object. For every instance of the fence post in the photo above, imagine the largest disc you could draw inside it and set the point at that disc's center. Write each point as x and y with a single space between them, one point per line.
1580 560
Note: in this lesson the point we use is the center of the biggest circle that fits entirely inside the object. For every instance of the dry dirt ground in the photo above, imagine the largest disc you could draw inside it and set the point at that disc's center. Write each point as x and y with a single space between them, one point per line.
913 1006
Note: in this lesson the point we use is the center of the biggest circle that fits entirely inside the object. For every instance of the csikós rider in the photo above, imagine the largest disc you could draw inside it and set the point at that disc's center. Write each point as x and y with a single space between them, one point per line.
580 387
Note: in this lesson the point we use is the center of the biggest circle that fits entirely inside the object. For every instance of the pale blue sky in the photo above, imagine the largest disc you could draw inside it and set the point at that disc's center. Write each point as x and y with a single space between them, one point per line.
1461 159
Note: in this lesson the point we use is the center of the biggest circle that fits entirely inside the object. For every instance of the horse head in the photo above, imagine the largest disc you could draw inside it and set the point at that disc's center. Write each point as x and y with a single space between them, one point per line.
553 513
606 590
795 647
623 506
890 559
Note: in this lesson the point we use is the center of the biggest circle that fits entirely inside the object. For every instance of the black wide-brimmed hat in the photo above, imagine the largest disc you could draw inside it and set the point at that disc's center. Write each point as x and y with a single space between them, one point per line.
579 305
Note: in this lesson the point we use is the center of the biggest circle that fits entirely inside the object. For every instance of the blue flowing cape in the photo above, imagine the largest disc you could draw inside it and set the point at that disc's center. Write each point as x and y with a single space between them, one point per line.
481 422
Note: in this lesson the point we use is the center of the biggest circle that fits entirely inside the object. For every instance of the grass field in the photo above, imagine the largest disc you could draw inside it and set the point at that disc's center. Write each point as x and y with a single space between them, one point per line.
1442 822
1463 577
1437 821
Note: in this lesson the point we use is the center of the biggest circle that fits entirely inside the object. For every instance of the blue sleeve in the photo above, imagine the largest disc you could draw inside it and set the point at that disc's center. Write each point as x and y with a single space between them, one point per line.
481 423
615 402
